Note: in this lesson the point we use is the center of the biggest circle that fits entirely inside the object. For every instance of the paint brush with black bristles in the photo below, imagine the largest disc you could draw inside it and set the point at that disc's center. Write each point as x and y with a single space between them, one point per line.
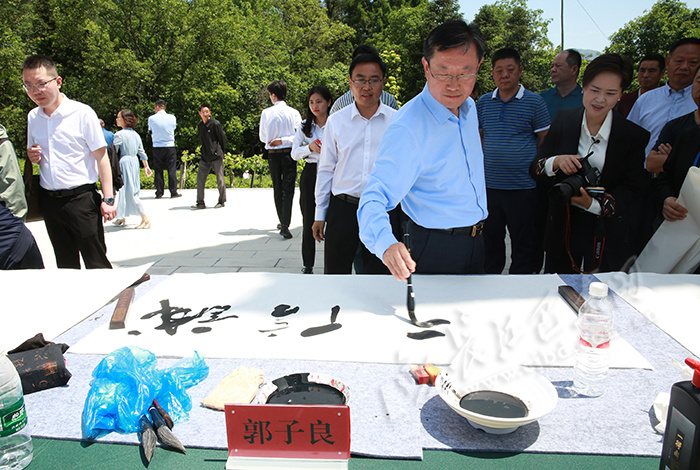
165 435
147 437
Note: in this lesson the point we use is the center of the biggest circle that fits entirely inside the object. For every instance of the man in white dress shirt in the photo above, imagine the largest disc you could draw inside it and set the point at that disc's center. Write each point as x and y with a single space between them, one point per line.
351 138
65 138
278 125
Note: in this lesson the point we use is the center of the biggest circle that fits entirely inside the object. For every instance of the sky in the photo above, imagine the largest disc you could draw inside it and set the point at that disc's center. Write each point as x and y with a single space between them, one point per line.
580 31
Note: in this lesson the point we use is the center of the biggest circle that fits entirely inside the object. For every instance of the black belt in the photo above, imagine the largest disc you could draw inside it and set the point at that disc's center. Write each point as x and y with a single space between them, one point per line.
472 230
69 192
348 198
279 150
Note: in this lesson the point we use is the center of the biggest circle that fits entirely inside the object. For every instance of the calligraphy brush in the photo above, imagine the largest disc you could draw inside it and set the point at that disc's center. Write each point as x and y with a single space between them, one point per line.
165 435
147 437
411 296
166 417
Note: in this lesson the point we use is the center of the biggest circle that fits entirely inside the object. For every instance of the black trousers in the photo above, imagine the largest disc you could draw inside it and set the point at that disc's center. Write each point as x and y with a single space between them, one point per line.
205 167
74 225
31 260
515 209
439 252
165 158
342 239
283 171
307 201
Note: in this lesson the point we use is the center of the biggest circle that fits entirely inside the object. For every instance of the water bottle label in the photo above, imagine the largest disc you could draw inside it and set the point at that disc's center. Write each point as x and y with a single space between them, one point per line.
589 345
13 419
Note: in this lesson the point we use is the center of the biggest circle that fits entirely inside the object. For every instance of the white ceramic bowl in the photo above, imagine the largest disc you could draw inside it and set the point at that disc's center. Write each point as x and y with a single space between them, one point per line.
533 389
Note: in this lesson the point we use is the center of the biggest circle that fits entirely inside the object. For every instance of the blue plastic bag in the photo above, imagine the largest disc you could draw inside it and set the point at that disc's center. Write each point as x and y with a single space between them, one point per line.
126 382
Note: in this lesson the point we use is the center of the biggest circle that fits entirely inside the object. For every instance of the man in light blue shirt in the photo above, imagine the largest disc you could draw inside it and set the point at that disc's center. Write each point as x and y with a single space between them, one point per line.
430 160
658 106
162 127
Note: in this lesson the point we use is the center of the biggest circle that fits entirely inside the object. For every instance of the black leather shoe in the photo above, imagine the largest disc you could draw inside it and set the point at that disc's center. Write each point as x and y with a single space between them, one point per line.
284 231
198 206
175 195
307 270
159 196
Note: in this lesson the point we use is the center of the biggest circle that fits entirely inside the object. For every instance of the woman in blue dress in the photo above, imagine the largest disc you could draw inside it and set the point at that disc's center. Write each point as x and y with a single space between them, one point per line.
128 143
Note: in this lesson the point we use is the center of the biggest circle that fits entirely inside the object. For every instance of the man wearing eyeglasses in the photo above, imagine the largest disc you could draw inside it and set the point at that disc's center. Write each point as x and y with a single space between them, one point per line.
430 160
65 138
350 140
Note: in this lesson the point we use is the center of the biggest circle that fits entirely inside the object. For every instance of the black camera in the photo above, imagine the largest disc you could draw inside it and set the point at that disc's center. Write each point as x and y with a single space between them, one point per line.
587 175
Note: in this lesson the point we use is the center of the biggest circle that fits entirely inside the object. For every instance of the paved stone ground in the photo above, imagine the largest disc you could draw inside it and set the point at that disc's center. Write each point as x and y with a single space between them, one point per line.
239 237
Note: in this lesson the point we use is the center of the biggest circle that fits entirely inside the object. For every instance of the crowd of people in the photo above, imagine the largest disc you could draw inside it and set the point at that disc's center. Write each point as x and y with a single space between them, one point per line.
578 176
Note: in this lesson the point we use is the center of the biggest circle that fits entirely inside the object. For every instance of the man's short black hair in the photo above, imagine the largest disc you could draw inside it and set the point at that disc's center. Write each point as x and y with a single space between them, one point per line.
365 58
36 61
160 104
453 34
505 53
573 58
613 63
279 89
204 105
683 42
655 57
364 49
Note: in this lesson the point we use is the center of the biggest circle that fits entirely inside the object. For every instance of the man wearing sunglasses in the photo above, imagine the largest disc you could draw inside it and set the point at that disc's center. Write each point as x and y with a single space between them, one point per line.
65 139
431 162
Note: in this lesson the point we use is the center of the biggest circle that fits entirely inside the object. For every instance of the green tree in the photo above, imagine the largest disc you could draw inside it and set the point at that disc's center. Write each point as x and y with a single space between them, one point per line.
656 30
510 23
401 43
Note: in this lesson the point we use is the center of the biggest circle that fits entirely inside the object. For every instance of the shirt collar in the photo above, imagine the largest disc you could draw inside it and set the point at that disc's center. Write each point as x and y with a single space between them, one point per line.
670 91
280 102
604 132
439 111
518 95
355 112
575 92
63 109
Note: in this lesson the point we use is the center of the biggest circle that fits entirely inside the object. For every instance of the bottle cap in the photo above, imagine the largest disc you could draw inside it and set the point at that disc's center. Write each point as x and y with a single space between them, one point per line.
598 289
696 367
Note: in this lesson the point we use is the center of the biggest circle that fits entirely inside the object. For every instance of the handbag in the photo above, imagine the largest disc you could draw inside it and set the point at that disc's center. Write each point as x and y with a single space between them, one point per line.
31 192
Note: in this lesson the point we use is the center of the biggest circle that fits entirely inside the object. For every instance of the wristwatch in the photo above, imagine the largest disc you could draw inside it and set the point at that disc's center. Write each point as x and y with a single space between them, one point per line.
108 200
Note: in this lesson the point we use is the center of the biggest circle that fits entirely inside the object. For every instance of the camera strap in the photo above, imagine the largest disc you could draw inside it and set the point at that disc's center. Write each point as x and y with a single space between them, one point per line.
598 244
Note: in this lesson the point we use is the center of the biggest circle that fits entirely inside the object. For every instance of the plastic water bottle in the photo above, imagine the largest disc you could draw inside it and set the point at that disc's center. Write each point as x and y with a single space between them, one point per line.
595 323
15 443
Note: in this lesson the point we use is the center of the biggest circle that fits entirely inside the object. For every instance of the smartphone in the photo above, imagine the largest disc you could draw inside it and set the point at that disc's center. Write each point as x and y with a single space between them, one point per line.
317 142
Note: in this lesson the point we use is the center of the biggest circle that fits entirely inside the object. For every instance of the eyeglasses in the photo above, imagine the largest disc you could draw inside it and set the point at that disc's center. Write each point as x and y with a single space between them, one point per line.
362 82
464 78
41 86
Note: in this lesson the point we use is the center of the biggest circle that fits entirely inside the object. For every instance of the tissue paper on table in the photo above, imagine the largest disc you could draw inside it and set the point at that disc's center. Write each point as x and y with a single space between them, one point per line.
663 398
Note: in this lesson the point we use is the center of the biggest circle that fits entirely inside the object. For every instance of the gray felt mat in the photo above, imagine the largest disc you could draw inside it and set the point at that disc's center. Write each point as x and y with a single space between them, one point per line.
393 417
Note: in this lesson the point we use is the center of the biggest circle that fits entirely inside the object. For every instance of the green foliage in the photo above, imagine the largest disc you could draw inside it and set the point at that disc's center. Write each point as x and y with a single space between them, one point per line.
656 30
401 43
116 54
509 23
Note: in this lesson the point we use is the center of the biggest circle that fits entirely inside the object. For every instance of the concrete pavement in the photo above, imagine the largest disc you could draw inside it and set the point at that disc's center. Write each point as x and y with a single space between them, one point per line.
241 236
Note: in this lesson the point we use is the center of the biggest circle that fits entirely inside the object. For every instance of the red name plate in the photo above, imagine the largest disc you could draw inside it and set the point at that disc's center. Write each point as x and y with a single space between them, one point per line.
288 431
